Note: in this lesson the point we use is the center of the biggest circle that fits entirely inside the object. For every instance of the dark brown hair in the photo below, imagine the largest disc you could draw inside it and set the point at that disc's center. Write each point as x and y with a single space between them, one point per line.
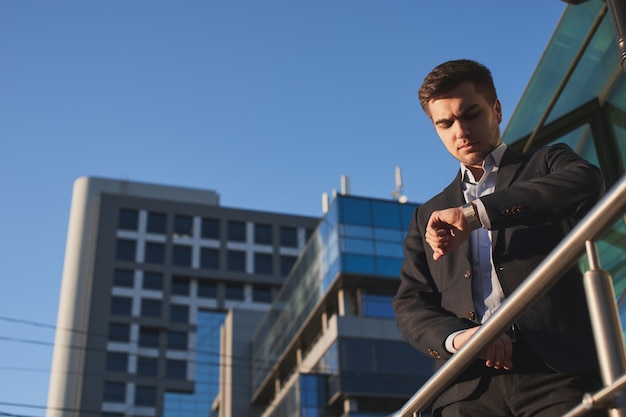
447 76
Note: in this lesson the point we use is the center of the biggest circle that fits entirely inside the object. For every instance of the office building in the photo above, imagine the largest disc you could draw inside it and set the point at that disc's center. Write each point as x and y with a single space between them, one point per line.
150 272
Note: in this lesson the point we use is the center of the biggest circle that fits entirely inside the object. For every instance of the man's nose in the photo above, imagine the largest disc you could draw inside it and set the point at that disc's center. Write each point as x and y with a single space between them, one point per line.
462 130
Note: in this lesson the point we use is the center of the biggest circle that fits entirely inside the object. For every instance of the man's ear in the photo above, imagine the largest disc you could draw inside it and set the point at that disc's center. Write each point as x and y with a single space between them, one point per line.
497 106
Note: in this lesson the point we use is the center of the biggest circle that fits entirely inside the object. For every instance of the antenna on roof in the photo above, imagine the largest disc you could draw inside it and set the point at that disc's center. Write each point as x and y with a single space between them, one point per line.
397 193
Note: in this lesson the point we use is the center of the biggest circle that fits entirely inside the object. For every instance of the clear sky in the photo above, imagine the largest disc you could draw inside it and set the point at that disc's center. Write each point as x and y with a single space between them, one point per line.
266 102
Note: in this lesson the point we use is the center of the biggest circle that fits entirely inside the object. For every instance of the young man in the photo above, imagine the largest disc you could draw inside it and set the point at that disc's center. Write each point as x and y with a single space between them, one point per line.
472 245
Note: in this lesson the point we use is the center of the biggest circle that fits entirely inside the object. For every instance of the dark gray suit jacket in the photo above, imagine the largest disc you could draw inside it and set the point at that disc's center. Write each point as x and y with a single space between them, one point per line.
537 200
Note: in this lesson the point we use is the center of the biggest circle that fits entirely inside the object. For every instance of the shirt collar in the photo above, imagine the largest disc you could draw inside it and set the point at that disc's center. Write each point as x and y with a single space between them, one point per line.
490 164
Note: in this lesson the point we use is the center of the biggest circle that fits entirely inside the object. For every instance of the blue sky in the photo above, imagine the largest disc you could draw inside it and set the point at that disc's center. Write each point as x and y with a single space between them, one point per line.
268 103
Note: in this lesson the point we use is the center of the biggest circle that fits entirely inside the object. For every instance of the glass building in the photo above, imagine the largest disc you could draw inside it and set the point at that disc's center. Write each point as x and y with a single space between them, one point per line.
577 95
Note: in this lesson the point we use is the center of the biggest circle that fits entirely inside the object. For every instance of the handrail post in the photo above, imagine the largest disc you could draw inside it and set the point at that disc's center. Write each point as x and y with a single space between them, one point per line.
607 328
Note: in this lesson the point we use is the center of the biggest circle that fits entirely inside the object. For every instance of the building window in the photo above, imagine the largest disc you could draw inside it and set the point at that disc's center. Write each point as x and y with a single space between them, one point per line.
308 233
177 340
125 250
114 392
121 306
183 226
180 286
288 237
117 362
286 263
236 260
263 234
263 263
261 294
181 255
119 332
145 396
175 369
155 253
209 258
128 219
234 292
150 308
148 337
123 278
236 231
179 313
152 281
210 229
156 223
376 305
147 366
207 289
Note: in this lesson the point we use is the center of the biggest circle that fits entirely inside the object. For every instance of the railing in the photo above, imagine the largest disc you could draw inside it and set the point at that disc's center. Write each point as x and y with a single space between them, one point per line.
602 306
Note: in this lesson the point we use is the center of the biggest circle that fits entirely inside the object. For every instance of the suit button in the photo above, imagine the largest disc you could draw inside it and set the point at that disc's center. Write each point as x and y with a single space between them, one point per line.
467 274
434 354
471 315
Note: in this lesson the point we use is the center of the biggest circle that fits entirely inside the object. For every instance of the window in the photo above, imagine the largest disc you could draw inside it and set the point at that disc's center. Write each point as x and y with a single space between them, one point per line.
152 281
288 236
286 263
181 255
180 286
261 294
183 226
128 219
156 223
236 231
150 308
147 366
121 306
177 340
123 278
209 258
148 337
236 260
155 253
207 289
377 305
175 369
119 332
210 229
234 292
263 263
179 313
117 362
263 234
145 396
114 392
125 250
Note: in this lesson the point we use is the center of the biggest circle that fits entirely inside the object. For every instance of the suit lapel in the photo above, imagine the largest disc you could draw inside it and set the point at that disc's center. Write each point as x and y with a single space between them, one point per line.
509 166
454 198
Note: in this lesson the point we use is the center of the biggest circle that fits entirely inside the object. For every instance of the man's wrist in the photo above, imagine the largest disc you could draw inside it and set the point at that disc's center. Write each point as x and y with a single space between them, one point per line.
469 211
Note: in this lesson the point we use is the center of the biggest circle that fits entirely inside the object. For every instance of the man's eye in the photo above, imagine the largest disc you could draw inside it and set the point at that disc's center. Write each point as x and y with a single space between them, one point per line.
444 125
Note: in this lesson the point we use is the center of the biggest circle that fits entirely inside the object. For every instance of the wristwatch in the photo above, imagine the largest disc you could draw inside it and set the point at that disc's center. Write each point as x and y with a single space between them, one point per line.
470 215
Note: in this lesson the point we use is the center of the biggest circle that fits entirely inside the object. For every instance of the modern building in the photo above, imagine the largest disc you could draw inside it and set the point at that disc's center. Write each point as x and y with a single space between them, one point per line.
150 272
329 345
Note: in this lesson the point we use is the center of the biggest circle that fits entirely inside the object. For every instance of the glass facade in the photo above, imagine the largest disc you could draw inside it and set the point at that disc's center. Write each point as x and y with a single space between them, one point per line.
358 235
588 111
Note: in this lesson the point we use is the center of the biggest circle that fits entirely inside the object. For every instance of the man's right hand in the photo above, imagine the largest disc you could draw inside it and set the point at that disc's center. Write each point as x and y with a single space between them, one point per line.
497 355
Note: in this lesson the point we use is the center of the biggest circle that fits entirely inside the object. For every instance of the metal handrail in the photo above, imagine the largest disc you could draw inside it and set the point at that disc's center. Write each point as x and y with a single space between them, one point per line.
594 225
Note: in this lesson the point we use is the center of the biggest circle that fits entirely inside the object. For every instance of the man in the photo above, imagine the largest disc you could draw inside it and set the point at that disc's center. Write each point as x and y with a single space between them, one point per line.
472 245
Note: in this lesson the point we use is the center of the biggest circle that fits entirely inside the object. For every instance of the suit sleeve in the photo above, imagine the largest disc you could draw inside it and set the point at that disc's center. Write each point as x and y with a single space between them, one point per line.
555 184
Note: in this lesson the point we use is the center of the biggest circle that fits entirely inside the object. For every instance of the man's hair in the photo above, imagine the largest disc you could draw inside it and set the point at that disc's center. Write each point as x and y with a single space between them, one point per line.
447 76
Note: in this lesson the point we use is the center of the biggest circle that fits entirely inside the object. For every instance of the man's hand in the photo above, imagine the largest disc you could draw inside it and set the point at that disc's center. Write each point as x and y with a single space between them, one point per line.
446 230
497 355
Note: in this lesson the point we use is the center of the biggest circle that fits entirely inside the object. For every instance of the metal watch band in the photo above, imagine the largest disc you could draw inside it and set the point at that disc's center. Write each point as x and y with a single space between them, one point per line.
471 217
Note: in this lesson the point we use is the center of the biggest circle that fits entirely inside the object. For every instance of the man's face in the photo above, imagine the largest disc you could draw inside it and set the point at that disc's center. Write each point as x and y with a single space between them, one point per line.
467 124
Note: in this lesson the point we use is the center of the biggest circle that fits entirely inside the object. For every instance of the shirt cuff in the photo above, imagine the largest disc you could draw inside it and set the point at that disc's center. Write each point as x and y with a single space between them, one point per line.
449 345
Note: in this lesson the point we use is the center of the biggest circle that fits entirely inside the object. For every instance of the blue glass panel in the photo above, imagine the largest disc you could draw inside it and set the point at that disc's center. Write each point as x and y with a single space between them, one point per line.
355 231
407 214
389 249
374 305
355 211
392 235
388 267
361 246
386 214
357 263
